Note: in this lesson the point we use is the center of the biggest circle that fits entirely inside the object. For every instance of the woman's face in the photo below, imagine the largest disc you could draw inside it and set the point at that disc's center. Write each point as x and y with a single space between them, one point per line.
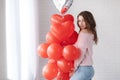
81 22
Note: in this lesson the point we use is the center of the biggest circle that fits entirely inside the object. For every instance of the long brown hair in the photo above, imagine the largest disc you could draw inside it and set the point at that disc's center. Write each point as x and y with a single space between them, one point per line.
90 23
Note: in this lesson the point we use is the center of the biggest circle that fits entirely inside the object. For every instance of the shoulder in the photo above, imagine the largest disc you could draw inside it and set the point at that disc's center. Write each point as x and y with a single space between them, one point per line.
84 31
85 34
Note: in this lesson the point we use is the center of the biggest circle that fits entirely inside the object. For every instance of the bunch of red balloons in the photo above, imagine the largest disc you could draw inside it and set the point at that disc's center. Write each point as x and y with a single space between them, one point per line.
59 48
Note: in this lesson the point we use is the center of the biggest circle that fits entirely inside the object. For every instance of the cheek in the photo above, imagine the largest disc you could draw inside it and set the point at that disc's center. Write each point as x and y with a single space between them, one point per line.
84 24
79 23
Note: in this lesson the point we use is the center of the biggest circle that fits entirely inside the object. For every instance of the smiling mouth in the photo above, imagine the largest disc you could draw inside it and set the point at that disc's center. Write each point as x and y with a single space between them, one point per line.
81 26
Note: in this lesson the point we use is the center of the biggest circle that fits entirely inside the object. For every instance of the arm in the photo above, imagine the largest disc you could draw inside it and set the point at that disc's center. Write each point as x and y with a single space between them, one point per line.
82 44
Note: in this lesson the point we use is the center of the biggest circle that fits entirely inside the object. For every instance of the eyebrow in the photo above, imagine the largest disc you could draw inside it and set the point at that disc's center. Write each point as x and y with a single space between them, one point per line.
81 20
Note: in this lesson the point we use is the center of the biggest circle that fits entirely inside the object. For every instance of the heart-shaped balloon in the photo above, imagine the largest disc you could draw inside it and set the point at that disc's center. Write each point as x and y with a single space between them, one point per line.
71 40
50 38
56 18
63 5
62 26
62 31
59 4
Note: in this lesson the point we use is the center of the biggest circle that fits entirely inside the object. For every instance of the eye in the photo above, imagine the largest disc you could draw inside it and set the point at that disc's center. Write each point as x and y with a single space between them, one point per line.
79 20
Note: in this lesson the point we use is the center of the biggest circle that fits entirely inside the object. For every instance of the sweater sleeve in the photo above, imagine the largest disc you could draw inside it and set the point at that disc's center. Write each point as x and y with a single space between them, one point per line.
82 43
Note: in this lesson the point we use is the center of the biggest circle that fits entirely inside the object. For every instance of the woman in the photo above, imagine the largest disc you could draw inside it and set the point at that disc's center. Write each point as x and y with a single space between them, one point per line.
87 37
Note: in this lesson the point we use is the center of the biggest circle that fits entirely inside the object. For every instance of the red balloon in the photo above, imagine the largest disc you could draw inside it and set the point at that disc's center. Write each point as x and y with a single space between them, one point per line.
63 76
54 51
64 65
70 52
50 38
68 17
50 71
42 50
52 61
62 31
71 40
56 18
62 25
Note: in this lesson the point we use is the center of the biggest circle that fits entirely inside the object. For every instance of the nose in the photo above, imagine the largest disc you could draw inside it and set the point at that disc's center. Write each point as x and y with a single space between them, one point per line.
80 23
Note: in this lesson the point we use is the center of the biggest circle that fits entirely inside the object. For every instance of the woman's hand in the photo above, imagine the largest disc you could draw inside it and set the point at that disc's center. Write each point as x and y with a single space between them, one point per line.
71 72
